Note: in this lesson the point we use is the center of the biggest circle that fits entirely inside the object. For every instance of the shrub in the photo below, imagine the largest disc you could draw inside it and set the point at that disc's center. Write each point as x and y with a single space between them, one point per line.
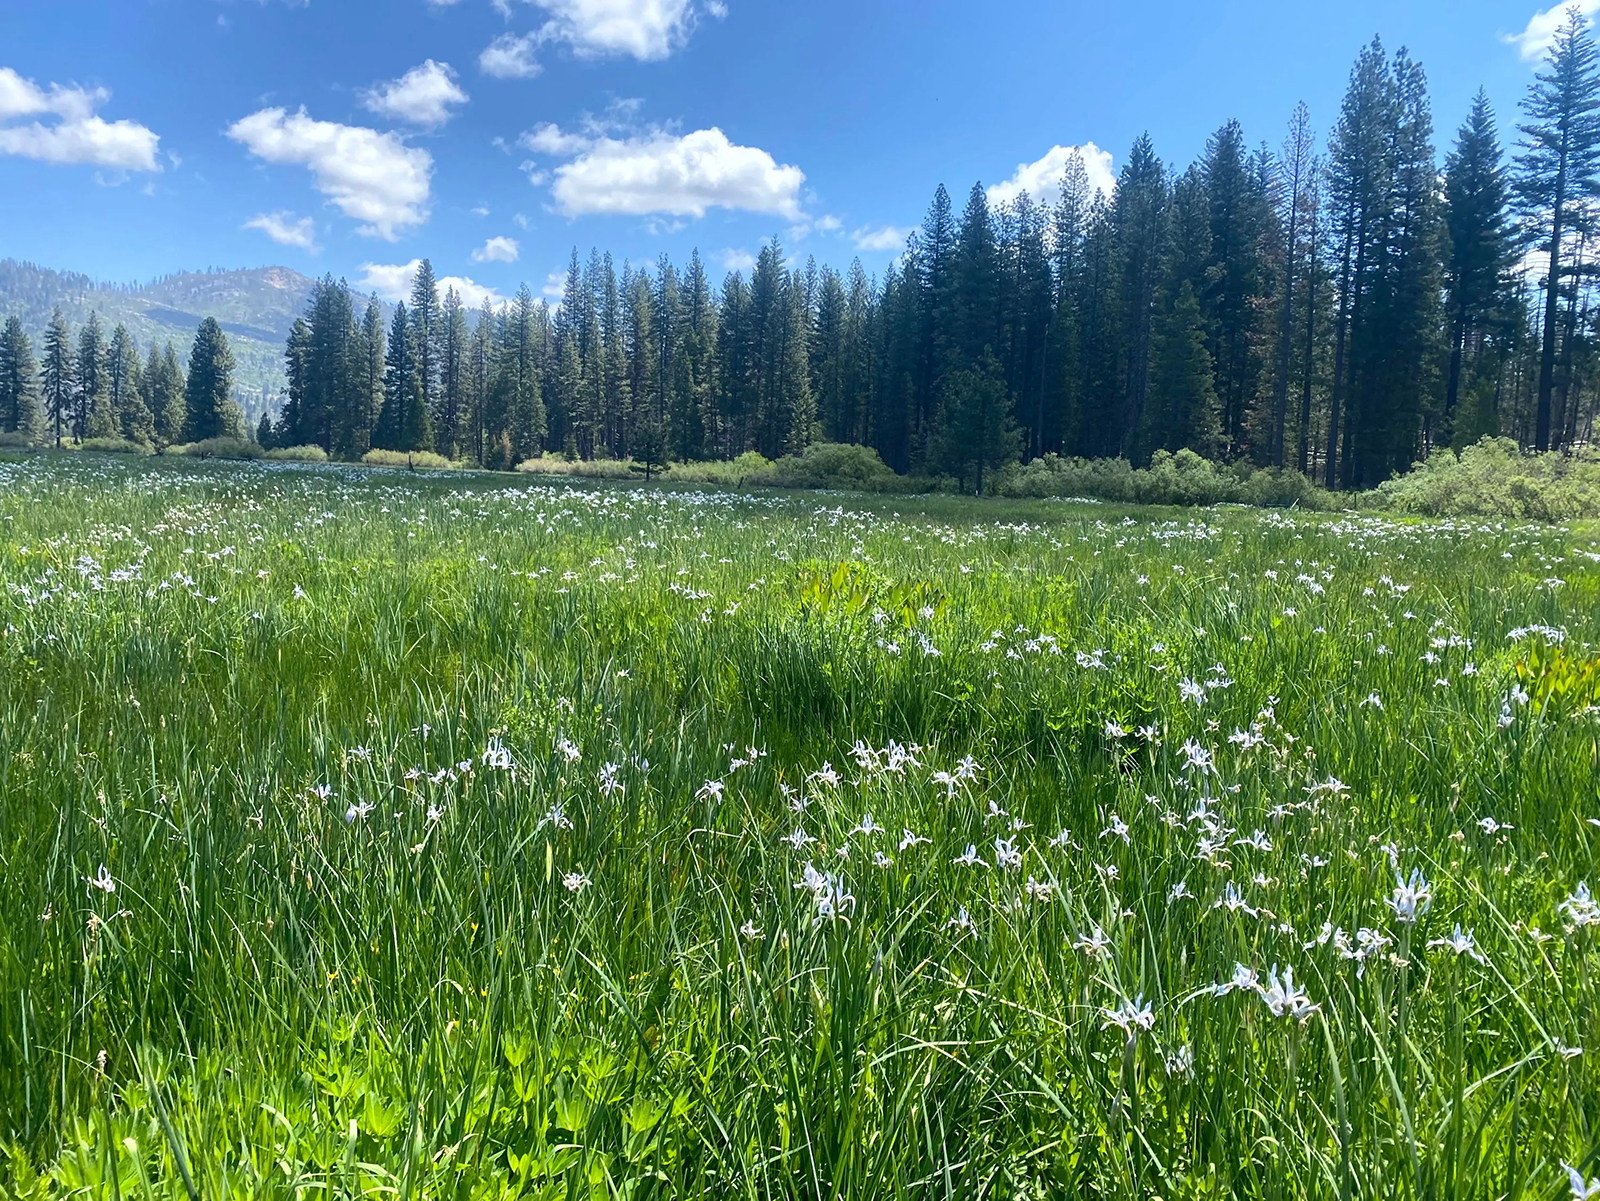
1173 478
750 468
421 460
298 454
835 465
1494 478
115 446
15 439
595 469
217 448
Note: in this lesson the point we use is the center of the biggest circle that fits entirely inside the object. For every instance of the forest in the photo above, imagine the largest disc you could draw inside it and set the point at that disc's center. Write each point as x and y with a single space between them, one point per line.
1338 307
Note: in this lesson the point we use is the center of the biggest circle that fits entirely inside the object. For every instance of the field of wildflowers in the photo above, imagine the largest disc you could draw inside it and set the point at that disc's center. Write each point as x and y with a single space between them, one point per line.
369 834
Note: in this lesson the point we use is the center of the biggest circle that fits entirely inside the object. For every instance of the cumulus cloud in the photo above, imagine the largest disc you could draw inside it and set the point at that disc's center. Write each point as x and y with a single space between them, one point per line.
658 172
392 281
1041 179
372 177
1539 34
72 133
511 56
423 96
497 250
286 229
647 30
883 237
738 260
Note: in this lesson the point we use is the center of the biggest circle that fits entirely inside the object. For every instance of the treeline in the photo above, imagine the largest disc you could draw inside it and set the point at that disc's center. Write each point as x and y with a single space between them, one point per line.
95 387
1337 306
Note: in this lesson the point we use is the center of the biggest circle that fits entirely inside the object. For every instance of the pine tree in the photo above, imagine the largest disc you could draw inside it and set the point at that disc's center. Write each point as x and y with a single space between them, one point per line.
1295 175
449 420
59 378
977 431
92 414
165 388
1136 222
210 410
367 390
427 336
1184 407
19 384
1478 250
400 387
1558 170
123 374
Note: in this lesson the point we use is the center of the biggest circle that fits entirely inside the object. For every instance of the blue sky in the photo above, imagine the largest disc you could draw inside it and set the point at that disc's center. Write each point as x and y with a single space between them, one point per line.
139 137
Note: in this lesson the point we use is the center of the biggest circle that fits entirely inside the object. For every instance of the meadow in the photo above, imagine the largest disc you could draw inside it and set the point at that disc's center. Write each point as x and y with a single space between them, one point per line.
374 834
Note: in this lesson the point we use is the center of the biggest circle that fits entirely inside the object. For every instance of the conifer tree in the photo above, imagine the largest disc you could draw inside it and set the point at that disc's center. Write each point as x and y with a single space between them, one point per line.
123 375
210 409
19 383
1478 249
1558 170
59 380
977 430
165 391
92 413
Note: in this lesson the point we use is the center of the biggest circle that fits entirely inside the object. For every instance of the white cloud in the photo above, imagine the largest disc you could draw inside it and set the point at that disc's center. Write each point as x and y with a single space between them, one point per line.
656 172
510 56
1540 32
76 135
647 30
497 250
1041 179
738 260
372 177
555 285
422 96
885 237
392 281
286 229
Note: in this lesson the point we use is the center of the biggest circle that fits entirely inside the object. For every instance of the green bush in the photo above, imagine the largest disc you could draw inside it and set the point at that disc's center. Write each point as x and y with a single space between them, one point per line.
1173 478
418 459
597 469
115 446
217 448
15 439
835 465
298 454
1494 478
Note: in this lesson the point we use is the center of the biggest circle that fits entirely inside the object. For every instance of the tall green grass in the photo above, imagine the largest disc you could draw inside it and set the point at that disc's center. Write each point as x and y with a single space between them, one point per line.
456 832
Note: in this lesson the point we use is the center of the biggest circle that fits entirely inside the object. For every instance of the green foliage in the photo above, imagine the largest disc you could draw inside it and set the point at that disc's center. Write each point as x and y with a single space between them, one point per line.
378 834
217 448
297 454
1494 478
115 446
418 459
1184 478
834 465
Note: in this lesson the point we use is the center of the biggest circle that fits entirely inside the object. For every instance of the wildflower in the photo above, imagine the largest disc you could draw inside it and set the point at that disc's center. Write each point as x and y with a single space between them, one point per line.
1461 944
1006 854
961 921
555 816
1244 979
1580 908
103 881
1179 891
357 811
1116 828
575 881
1188 690
1582 1190
1491 827
568 750
1233 901
1131 1017
879 859
321 792
824 775
1039 890
1197 758
867 826
1284 998
969 857
1094 944
799 839
1411 897
1180 1063
909 840
751 932
496 757
711 790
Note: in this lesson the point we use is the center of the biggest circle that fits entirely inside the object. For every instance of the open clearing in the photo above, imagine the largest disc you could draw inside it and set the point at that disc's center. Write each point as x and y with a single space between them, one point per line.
367 833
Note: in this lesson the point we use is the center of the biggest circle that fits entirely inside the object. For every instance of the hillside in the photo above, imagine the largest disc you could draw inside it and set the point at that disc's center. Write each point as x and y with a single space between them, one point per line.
256 307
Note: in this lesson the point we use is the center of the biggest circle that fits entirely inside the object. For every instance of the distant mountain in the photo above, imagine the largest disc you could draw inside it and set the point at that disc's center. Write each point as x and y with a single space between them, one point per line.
256 306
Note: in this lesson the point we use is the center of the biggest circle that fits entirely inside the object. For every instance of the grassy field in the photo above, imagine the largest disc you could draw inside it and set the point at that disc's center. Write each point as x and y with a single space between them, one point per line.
456 836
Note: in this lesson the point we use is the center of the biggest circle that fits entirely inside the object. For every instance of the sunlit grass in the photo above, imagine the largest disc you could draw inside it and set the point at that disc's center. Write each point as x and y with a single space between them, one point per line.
456 835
